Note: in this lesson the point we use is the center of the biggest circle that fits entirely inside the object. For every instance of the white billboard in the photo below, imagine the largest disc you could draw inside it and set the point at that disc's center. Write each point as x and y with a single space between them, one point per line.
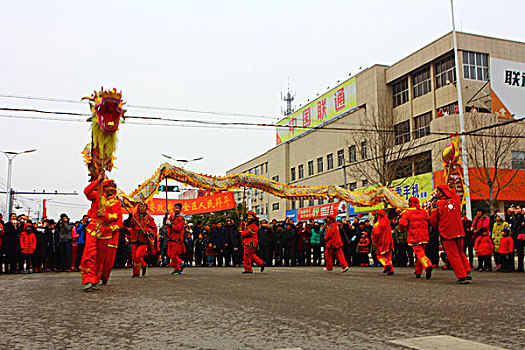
507 88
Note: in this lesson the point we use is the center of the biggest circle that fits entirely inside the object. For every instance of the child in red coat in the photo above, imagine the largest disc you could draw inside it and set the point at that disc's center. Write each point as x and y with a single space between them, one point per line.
506 250
27 247
210 254
484 249
363 249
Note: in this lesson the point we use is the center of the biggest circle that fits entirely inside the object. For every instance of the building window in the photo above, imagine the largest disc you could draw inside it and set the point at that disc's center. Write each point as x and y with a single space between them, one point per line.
445 72
518 159
300 168
352 154
446 110
320 201
402 132
266 208
330 161
310 168
352 186
400 92
423 163
292 174
475 66
301 203
256 170
422 125
340 157
276 178
364 183
256 209
421 82
320 164
293 204
311 203
275 206
363 150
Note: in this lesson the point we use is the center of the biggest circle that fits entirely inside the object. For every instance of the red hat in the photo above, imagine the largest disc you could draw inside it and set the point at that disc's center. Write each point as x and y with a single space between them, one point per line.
414 202
253 213
359 216
108 182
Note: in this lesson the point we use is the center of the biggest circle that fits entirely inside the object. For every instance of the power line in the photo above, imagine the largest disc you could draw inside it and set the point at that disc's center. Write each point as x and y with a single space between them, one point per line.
183 110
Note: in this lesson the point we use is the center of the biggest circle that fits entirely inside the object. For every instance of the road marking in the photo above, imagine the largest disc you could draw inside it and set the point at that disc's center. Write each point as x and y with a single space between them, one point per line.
442 342
289 349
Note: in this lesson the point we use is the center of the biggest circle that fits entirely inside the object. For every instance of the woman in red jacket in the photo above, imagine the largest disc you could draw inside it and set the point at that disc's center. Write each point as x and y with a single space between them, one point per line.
27 247
484 248
382 237
506 249
415 221
250 241
333 241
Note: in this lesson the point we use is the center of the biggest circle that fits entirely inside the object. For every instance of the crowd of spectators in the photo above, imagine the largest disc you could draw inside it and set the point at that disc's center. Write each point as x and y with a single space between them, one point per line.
50 245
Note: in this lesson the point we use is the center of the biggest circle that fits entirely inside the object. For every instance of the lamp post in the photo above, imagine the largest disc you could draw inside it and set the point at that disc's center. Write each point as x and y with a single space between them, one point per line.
10 156
184 163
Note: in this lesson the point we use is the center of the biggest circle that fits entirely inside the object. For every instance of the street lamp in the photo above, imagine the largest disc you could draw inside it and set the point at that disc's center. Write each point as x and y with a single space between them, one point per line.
10 156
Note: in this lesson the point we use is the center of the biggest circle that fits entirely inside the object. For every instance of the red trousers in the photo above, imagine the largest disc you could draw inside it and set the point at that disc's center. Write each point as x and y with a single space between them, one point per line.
338 254
73 256
422 262
385 259
93 259
174 250
108 263
456 256
250 257
137 254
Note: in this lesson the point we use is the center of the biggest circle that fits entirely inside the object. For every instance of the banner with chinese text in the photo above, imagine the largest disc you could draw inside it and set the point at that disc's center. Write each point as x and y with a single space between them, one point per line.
200 205
326 107
317 211
507 88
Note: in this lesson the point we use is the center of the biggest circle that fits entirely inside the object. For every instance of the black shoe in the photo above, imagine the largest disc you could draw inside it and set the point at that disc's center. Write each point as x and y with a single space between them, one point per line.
137 275
418 275
469 276
463 280
263 266
388 270
428 272
247 272
104 283
144 271
390 273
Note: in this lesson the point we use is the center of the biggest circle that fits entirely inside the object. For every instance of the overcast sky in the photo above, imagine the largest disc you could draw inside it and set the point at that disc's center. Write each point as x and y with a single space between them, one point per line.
219 56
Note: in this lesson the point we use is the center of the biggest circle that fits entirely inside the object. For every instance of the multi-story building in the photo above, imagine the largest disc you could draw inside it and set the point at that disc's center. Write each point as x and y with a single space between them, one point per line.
334 138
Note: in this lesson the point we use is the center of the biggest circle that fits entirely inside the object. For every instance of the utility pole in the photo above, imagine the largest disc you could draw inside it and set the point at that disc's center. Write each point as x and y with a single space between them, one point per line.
346 187
468 205
11 193
10 156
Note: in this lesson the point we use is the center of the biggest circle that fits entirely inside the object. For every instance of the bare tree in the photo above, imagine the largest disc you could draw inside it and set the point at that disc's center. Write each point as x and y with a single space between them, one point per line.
489 156
389 145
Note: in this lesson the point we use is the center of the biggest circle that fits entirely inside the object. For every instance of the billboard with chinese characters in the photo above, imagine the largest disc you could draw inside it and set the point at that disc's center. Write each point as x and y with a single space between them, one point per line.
507 88
204 204
419 186
332 104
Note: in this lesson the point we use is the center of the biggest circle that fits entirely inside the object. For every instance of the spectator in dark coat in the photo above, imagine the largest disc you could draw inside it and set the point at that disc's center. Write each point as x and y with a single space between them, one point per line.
65 238
40 251
11 244
303 246
219 238
51 246
468 242
289 245
265 237
188 244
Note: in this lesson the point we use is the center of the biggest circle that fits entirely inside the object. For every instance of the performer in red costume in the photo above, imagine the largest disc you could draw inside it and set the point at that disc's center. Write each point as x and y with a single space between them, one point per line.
106 221
382 237
143 229
250 241
175 226
415 221
333 241
446 218
111 251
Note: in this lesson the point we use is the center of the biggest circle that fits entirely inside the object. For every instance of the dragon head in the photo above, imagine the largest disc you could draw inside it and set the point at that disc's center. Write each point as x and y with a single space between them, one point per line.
106 107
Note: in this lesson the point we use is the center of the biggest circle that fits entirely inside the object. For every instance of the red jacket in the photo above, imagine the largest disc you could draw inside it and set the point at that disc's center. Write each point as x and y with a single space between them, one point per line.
249 236
27 242
481 221
148 225
483 246
176 229
382 234
363 246
506 245
1 233
415 221
109 224
332 236
446 216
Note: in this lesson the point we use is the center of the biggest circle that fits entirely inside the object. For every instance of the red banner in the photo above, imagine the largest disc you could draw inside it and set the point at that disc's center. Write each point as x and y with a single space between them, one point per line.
207 204
317 212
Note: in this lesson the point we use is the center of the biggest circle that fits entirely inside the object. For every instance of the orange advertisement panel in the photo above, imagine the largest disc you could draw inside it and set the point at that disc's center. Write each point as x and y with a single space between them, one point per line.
317 212
514 191
200 205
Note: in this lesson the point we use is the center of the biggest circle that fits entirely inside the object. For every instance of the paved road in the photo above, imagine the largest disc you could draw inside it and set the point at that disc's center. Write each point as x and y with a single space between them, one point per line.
219 308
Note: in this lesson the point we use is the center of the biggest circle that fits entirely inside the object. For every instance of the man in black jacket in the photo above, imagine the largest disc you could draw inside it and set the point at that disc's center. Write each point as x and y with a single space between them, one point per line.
65 238
51 242
265 242
11 244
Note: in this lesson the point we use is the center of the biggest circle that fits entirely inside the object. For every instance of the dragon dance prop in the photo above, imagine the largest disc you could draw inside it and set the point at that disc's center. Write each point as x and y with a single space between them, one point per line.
106 107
